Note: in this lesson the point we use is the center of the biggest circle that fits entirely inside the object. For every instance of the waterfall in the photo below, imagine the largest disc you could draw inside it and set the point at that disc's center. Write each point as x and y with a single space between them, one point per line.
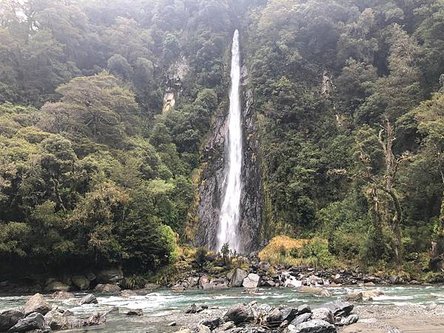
230 211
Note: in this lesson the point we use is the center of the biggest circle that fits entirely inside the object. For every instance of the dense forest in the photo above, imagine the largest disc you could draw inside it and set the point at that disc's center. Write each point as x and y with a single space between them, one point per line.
98 167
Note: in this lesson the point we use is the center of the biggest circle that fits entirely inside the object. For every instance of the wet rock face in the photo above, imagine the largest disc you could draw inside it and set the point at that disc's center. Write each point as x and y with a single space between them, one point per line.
211 189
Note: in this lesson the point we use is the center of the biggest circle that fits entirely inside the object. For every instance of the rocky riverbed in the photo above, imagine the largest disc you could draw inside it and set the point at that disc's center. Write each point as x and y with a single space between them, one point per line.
405 308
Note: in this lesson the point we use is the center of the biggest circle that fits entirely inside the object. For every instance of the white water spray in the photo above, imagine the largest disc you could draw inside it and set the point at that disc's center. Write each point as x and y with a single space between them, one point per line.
230 211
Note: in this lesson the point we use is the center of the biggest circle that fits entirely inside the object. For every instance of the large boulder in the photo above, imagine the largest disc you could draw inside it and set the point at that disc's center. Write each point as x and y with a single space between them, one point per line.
237 277
212 324
81 282
107 288
110 275
37 303
33 321
239 314
9 318
312 326
251 281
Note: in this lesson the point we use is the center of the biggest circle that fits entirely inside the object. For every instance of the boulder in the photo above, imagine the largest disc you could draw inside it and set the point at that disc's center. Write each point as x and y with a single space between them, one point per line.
351 319
354 297
304 308
212 324
81 282
9 318
89 299
37 303
56 286
110 275
203 280
107 288
251 281
128 293
227 326
314 291
312 326
323 314
369 295
135 312
339 308
191 309
95 319
301 318
237 277
62 295
274 318
33 321
289 314
62 320
239 314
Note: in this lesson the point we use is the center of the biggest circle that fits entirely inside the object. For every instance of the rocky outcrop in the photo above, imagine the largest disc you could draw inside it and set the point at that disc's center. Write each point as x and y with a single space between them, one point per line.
81 282
211 189
237 277
110 275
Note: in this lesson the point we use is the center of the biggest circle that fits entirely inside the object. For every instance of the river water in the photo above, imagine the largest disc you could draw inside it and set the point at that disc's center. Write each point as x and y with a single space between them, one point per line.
164 306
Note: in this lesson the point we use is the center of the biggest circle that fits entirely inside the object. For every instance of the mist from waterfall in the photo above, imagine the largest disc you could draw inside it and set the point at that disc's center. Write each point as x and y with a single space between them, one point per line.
230 211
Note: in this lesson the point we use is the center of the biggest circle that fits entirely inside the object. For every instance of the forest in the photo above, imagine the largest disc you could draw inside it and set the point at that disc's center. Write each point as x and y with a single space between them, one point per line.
96 171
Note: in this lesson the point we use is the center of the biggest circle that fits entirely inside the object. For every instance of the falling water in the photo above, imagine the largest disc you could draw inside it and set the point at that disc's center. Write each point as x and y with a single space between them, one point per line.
229 215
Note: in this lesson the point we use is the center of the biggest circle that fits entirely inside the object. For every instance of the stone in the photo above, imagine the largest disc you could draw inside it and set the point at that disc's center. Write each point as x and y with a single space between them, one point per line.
135 312
62 320
107 288
369 295
95 319
312 326
354 297
304 308
37 303
212 324
128 293
339 308
203 280
251 281
89 299
314 291
110 275
9 318
274 318
237 277
173 323
56 286
81 282
191 309
301 318
323 314
239 314
62 295
351 319
33 321
289 314
227 326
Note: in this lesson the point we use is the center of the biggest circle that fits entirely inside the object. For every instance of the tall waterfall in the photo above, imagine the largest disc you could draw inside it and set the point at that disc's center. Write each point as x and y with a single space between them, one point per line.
230 211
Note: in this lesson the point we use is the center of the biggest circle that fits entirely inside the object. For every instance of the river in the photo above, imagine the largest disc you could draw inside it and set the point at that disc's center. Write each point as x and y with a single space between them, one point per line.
164 306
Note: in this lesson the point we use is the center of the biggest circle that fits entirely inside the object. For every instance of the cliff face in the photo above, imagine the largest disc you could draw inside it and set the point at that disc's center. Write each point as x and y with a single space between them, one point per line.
211 187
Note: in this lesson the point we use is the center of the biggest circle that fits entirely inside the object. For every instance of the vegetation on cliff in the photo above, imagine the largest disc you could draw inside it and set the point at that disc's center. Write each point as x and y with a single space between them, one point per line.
348 97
